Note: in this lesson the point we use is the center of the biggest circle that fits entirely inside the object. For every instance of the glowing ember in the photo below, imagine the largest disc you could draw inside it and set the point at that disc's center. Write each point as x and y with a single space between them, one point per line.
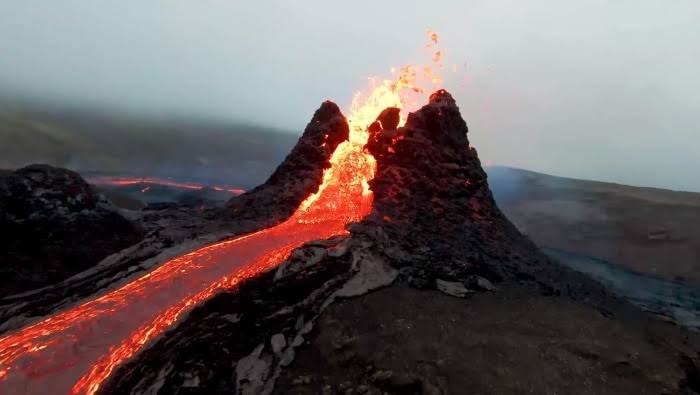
77 349
126 181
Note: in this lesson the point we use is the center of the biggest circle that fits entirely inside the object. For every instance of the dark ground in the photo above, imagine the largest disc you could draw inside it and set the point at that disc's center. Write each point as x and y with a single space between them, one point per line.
649 230
407 341
53 225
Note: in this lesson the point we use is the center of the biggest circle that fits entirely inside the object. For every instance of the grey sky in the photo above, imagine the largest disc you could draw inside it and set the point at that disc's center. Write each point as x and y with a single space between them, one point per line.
596 89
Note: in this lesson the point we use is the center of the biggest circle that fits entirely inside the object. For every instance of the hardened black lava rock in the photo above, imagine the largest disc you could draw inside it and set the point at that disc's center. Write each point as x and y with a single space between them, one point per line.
53 224
298 176
434 216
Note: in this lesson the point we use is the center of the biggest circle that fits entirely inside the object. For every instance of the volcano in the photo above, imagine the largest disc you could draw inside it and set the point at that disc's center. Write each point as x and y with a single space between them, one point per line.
373 260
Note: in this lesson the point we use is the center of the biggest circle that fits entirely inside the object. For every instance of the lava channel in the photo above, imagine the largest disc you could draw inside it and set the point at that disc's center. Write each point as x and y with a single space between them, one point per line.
126 181
75 350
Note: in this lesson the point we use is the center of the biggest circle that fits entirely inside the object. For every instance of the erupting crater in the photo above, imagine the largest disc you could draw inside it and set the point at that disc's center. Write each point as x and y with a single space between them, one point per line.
75 350
320 188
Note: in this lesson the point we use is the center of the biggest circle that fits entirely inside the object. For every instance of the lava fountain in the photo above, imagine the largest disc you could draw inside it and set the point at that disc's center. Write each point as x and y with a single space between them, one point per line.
75 350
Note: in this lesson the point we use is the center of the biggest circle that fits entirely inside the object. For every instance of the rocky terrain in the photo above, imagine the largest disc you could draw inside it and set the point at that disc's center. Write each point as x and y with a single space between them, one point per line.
649 230
401 340
298 176
53 225
468 305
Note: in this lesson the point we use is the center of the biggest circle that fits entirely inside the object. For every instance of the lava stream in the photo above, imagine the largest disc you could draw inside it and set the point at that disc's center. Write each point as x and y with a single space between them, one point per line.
126 181
75 350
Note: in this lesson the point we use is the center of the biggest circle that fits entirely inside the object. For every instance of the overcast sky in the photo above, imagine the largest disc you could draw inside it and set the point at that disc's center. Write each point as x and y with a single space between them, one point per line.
605 90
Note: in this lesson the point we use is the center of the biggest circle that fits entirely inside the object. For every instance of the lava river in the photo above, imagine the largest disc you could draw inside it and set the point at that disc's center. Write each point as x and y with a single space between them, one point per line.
148 181
75 350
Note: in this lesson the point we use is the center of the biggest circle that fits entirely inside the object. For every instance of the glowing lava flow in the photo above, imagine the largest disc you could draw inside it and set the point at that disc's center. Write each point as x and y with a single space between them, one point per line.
75 350
125 181
54 355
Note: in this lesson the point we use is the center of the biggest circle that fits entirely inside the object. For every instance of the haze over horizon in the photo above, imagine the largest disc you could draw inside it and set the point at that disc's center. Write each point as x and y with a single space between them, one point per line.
596 90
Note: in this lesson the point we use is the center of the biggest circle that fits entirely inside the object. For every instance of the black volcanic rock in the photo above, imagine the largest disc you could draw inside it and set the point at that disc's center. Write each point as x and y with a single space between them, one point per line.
383 130
53 224
434 216
299 175
431 196
389 118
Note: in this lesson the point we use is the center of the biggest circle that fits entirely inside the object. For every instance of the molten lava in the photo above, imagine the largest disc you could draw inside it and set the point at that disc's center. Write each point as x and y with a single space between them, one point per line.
77 349
147 181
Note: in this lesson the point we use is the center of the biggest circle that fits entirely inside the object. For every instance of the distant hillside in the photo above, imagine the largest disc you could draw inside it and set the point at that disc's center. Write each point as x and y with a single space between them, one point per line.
648 229
239 154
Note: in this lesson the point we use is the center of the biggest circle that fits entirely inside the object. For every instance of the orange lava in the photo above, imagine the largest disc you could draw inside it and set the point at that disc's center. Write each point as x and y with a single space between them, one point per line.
125 181
76 350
